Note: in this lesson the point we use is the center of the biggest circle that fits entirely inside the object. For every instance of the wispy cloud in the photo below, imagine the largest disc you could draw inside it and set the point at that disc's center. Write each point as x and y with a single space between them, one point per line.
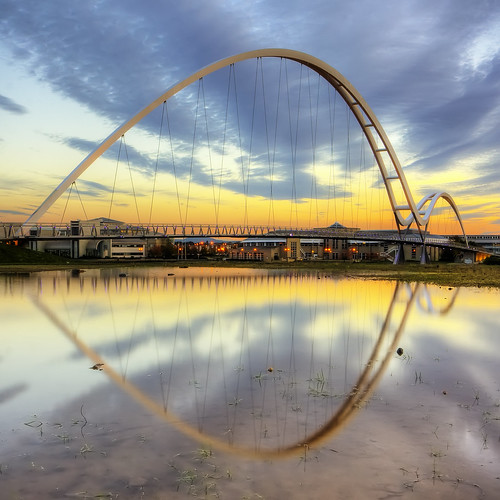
11 106
13 212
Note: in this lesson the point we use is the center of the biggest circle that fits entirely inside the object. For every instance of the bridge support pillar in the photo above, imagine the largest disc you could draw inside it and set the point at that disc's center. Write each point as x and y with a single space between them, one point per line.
75 249
399 258
424 256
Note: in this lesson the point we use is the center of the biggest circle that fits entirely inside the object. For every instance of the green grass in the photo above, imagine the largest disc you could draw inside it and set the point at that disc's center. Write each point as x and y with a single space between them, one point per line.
10 254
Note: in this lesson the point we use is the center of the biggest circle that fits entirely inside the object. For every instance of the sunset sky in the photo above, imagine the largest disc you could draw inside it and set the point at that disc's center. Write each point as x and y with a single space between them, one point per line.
73 72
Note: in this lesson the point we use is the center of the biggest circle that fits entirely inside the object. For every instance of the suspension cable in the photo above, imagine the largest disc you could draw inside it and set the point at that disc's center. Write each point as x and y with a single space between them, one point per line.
271 206
252 127
209 150
239 138
173 162
331 177
192 153
81 202
273 165
131 180
224 135
314 130
293 197
157 162
66 205
116 174
347 166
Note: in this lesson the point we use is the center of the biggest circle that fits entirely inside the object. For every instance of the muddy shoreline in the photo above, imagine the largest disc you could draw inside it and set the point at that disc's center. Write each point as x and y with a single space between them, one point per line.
444 274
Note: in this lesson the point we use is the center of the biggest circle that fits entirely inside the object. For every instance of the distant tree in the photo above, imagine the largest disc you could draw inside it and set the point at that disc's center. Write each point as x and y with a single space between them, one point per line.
163 250
492 260
155 252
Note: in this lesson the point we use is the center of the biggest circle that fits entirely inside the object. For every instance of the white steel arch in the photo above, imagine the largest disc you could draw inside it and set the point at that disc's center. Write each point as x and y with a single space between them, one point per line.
391 170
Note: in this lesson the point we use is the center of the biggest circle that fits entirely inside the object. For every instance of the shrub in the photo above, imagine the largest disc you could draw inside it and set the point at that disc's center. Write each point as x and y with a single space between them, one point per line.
492 260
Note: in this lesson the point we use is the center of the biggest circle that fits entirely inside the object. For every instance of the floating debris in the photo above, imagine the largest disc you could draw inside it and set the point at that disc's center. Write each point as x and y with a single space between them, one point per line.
270 369
400 351
97 366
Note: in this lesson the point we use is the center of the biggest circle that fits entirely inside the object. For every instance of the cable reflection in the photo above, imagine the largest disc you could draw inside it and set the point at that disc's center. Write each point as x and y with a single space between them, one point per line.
268 412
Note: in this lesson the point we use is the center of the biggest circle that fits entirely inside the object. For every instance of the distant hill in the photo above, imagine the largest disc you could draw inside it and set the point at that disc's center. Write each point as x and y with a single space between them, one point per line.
10 254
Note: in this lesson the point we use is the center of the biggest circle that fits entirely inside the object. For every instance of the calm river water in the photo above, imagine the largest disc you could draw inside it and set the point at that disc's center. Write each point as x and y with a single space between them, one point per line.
233 383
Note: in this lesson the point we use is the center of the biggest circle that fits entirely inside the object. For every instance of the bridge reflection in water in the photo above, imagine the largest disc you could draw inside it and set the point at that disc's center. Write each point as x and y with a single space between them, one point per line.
252 363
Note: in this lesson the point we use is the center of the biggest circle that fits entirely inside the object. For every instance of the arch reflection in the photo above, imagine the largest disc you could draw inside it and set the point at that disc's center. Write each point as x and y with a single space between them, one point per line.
262 365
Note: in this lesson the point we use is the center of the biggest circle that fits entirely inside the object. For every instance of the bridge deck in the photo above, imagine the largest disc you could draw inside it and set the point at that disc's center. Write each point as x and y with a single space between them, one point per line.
83 231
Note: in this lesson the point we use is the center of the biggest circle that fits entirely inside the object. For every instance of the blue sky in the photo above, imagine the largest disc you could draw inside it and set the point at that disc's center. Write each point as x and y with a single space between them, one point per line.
430 70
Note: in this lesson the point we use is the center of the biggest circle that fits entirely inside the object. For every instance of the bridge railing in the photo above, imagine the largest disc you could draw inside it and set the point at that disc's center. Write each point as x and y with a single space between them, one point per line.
81 229
92 230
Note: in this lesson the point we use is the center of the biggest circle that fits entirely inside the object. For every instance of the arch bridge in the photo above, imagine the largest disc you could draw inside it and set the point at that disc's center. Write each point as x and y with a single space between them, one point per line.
411 217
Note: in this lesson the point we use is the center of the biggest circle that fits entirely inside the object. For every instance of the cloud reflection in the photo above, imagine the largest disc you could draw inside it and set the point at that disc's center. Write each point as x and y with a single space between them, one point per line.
253 375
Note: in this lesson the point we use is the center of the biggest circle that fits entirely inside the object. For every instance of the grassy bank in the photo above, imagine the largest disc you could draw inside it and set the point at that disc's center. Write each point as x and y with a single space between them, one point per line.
12 255
14 259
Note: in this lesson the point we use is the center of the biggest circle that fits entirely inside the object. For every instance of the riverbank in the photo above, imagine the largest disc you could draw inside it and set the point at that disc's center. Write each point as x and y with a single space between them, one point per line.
21 260
444 274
